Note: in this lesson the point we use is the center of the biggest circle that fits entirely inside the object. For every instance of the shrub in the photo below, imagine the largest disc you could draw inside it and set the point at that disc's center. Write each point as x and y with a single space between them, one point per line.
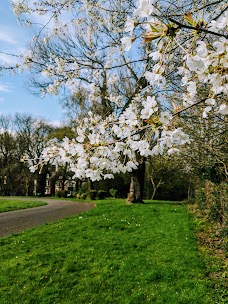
58 194
93 194
201 199
77 195
84 187
213 201
113 192
83 196
61 193
64 193
102 194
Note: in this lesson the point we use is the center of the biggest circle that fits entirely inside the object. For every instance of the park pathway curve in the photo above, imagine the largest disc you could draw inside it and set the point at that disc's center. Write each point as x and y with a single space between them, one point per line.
19 220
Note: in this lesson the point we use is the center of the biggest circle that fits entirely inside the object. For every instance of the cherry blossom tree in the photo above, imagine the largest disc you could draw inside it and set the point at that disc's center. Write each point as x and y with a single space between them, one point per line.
187 46
104 82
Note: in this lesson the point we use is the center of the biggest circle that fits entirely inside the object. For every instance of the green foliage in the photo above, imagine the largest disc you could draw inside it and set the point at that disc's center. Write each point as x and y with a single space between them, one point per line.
61 193
214 173
101 194
113 192
61 132
200 199
112 254
165 179
212 202
21 135
120 182
93 194
217 197
83 195
84 187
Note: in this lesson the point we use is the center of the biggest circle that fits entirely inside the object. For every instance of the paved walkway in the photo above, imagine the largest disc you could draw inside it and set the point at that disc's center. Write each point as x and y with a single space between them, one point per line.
19 220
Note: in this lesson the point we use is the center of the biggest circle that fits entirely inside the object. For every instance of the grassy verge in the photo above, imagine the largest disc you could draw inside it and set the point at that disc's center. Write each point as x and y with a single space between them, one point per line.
213 246
11 204
112 254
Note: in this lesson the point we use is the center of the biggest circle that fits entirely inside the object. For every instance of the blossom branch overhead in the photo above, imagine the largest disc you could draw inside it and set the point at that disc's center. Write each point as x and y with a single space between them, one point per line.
188 52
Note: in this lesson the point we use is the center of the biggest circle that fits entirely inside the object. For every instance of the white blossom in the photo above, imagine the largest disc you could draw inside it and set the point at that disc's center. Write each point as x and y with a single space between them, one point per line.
144 8
129 25
223 109
165 117
126 43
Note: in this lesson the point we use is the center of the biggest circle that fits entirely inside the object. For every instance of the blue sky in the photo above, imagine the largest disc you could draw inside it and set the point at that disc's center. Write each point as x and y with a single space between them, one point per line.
14 97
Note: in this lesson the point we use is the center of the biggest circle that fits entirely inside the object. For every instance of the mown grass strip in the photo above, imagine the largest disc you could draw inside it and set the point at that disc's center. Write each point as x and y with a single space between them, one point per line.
112 254
10 205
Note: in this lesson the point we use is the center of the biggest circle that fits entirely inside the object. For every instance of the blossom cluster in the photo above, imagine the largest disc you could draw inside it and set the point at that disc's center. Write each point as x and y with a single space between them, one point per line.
102 148
202 62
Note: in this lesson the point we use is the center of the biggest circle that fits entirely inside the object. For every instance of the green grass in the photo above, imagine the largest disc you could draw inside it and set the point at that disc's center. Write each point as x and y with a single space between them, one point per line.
114 253
11 204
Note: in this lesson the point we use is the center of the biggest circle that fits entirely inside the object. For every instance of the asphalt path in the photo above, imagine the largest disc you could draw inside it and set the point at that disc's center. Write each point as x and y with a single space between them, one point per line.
19 220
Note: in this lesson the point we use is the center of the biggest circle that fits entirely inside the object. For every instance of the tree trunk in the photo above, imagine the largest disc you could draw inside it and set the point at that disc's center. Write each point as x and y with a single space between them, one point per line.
135 195
155 187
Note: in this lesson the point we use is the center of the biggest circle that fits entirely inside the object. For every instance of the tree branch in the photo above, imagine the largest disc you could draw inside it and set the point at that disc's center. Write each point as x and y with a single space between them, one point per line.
181 25
191 106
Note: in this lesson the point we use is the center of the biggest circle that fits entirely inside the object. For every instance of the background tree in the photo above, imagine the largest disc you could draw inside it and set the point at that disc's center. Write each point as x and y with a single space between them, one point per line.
31 140
21 136
167 178
7 155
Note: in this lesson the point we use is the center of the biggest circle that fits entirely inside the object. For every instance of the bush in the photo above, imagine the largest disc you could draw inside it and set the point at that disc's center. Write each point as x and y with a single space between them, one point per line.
58 194
64 193
113 192
83 196
93 194
201 199
212 200
84 187
101 194
61 193
77 195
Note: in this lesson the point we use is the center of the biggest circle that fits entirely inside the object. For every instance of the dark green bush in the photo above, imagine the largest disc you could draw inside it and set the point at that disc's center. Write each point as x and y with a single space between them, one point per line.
93 194
113 192
83 196
58 194
64 193
101 194
212 200
84 187
201 199
61 193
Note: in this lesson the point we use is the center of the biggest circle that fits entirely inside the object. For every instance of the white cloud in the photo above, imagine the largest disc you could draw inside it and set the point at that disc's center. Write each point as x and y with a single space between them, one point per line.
56 123
6 88
6 37
8 59
11 41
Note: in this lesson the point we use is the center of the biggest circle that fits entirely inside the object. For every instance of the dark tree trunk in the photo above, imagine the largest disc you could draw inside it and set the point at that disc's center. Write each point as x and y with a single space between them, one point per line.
135 195
41 183
52 187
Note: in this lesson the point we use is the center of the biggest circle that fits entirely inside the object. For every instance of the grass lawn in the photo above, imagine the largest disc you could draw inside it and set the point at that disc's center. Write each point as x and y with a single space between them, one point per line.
11 204
115 253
